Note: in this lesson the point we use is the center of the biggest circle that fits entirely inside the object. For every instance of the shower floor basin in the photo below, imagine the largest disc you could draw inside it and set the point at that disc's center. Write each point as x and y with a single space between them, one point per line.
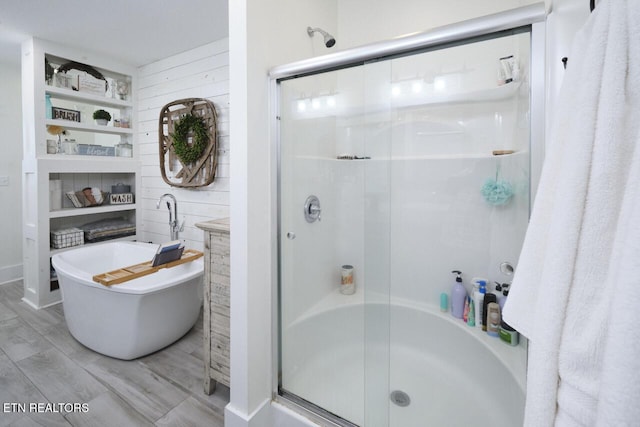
449 371
440 393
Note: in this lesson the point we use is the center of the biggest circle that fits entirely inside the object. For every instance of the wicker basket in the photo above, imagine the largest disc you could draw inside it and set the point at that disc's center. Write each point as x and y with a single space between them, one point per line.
67 238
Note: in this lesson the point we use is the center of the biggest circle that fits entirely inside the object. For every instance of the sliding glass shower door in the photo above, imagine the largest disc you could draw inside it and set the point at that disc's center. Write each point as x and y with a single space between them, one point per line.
324 207
393 173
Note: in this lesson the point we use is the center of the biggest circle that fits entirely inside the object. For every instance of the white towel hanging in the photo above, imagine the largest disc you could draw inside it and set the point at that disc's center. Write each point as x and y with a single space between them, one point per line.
578 255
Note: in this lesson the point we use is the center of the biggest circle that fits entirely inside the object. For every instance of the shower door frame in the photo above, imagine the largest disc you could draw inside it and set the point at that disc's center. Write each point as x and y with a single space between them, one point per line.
529 18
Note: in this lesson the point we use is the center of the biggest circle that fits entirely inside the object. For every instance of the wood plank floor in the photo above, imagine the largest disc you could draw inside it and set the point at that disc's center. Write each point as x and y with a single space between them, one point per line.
41 363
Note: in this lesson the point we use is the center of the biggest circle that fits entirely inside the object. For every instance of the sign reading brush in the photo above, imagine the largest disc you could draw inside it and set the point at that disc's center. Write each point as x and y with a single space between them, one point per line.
167 252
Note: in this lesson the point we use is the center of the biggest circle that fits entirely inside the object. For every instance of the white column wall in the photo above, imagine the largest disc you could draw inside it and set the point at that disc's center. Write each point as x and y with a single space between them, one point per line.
10 172
261 35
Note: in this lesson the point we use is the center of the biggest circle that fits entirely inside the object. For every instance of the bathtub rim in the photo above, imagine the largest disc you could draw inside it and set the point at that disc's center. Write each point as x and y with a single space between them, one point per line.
168 277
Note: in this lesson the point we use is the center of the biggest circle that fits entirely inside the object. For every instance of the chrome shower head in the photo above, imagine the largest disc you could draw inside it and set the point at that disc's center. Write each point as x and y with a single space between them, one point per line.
329 40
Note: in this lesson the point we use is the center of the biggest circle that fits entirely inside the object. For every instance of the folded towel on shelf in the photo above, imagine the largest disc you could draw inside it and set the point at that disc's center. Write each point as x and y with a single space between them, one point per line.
109 228
578 251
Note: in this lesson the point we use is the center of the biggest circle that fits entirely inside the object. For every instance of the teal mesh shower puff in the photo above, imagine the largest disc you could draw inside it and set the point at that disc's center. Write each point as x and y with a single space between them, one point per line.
495 191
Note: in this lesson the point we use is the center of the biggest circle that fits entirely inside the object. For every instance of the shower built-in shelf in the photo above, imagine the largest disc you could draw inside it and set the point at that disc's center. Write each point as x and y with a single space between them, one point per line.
494 94
477 156
498 93
427 100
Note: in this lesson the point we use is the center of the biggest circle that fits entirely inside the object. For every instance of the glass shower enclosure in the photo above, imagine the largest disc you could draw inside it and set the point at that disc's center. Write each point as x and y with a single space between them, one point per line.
395 170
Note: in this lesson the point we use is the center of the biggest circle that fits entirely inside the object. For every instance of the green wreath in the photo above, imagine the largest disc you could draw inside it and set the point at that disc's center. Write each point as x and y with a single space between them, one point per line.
189 153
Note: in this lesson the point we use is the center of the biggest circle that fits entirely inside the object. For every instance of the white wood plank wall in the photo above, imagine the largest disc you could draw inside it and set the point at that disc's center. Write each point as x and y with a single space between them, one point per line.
199 73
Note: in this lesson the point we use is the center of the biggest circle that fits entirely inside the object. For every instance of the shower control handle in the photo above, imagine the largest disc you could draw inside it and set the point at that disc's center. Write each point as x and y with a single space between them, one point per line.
315 209
312 209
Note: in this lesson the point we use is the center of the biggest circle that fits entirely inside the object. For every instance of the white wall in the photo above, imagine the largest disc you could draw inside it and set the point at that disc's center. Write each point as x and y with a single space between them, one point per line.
199 73
10 167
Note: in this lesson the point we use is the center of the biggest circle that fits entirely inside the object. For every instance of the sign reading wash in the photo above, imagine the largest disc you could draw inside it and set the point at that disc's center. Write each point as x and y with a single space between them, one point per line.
120 198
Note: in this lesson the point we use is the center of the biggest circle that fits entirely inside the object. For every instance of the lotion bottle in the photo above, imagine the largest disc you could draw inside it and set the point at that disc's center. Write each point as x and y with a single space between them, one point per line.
458 296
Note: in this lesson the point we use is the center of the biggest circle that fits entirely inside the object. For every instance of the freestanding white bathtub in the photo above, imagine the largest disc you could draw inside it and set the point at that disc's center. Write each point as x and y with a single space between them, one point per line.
132 319
454 375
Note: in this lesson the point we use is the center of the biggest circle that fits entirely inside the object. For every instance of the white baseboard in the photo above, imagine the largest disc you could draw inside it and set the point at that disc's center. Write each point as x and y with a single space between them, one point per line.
285 417
269 414
261 417
10 273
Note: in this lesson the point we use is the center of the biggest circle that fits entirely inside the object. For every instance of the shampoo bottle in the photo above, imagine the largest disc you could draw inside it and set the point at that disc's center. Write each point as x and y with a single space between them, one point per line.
493 319
478 299
458 295
489 297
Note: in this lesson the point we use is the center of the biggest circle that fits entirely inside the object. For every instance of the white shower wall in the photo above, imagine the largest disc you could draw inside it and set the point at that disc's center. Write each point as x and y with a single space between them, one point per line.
440 223
414 211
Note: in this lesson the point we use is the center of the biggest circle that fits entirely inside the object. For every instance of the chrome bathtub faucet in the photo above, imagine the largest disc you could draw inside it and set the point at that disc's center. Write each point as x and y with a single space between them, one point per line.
174 228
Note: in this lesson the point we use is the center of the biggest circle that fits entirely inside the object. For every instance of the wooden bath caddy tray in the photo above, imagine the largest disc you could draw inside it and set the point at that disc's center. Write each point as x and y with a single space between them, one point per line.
125 274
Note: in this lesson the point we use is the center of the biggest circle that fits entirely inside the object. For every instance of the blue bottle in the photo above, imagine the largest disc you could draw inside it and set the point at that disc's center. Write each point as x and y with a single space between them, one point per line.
444 302
48 106
458 296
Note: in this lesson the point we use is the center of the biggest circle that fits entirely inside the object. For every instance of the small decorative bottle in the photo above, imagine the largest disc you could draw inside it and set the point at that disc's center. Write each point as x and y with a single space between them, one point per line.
48 107
347 284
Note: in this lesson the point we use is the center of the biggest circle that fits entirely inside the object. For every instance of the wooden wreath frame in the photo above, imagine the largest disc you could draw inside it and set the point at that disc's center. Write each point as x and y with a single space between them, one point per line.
202 172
